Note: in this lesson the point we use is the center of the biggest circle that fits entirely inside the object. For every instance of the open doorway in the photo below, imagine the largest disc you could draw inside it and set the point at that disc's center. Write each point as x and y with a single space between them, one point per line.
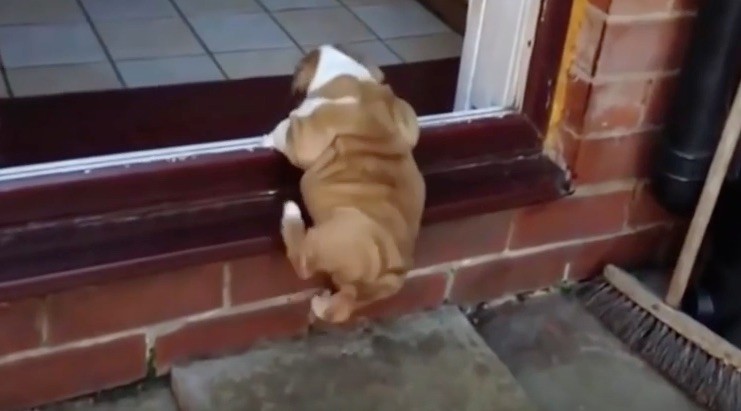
96 82
58 46
120 76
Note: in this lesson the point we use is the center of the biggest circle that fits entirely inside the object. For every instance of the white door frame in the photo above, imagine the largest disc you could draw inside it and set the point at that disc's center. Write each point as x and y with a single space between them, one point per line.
496 53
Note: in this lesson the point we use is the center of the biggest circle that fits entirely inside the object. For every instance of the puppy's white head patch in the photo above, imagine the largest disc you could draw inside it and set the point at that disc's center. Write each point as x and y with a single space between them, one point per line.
334 63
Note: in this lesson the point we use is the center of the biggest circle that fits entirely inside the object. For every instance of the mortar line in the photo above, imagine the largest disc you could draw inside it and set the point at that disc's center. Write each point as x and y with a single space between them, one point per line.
524 252
162 328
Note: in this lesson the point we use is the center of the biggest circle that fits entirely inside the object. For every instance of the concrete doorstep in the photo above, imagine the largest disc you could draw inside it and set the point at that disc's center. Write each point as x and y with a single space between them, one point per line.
556 357
427 362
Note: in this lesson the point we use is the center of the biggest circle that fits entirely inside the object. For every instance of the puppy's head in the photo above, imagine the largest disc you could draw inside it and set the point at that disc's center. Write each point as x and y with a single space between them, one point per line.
324 64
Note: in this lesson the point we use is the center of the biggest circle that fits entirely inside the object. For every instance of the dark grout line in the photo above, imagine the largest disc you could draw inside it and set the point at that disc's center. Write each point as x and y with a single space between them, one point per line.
4 78
192 29
283 29
107 52
378 37
163 57
300 8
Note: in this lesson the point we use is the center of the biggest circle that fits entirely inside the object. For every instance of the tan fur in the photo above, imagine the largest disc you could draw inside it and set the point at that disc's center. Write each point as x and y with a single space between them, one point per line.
304 72
361 186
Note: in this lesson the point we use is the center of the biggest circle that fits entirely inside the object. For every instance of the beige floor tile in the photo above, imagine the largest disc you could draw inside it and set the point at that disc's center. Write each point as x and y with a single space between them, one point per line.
240 32
259 63
320 26
430 47
35 45
400 19
172 70
31 81
101 10
279 5
39 11
198 7
372 51
133 39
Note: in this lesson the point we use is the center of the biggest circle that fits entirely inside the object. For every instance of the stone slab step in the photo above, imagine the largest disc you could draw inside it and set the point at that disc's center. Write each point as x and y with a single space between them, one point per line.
567 361
425 362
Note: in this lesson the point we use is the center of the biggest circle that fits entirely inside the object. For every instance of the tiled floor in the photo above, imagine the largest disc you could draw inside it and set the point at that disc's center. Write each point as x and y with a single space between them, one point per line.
57 46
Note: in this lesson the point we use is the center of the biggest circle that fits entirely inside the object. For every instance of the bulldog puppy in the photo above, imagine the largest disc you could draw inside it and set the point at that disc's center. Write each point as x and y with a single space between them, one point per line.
353 137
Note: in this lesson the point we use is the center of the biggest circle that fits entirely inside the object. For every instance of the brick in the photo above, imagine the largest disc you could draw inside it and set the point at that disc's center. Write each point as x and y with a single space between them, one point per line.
20 325
614 158
98 310
660 95
629 250
615 106
569 219
645 210
504 276
461 238
229 334
265 276
589 41
60 375
644 45
419 293
527 272
633 7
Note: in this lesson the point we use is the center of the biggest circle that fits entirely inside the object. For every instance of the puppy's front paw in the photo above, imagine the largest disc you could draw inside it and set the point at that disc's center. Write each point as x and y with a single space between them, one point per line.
268 141
291 211
277 138
292 224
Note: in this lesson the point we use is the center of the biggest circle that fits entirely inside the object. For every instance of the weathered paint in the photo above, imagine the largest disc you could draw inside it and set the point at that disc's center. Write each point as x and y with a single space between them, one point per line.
578 10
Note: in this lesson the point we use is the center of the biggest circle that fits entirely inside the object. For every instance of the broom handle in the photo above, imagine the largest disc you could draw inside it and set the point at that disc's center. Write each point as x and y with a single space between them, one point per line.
710 191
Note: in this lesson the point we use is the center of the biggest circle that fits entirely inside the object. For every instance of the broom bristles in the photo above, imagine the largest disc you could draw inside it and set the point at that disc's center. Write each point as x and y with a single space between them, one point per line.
706 379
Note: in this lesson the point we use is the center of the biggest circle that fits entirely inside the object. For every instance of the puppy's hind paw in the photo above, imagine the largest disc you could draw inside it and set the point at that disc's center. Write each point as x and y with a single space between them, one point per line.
320 303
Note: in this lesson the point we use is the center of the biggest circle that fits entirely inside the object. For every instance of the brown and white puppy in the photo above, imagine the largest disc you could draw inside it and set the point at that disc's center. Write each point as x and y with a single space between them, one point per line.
353 137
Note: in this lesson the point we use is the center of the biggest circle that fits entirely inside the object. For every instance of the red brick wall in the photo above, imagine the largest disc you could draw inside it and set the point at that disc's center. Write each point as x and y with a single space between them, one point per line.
83 340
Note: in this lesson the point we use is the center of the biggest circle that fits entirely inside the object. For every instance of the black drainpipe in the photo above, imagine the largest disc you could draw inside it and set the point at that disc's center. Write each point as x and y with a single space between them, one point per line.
708 79
699 108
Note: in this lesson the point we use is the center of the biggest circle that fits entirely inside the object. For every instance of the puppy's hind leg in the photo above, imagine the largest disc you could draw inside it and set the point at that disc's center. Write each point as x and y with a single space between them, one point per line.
293 231
337 307
384 287
340 306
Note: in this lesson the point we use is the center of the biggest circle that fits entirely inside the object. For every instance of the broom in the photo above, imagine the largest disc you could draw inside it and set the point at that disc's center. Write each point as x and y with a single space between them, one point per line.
704 365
